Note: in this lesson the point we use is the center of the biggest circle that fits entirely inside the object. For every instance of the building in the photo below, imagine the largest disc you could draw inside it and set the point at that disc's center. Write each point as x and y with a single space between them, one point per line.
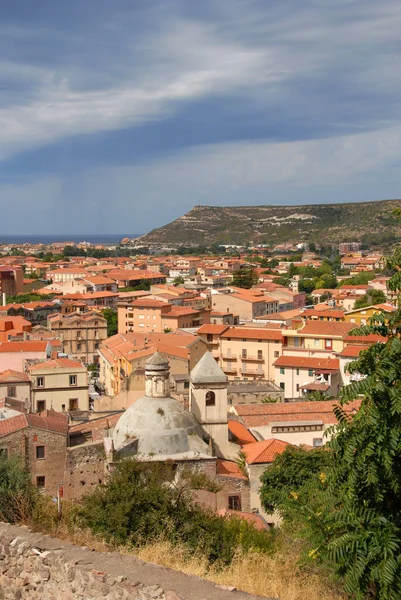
243 303
153 316
11 281
15 356
298 423
15 389
249 353
67 274
348 247
81 334
316 338
298 375
59 384
13 327
41 442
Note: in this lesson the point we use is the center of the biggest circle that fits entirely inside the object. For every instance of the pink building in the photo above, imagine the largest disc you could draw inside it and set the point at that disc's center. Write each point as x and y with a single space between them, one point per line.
13 355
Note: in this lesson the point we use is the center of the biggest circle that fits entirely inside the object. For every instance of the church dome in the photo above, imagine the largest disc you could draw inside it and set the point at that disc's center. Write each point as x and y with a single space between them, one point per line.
157 423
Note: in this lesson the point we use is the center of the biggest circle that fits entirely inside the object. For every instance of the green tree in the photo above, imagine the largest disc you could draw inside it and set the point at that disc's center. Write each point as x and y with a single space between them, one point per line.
364 539
292 480
178 281
17 494
245 278
112 321
370 298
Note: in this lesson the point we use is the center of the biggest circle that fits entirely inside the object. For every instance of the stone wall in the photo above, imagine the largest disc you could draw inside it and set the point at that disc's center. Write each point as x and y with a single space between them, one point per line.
37 567
85 469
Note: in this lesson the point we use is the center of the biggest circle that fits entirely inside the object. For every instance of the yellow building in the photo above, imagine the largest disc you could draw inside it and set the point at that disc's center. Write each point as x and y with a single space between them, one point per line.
360 316
60 384
316 336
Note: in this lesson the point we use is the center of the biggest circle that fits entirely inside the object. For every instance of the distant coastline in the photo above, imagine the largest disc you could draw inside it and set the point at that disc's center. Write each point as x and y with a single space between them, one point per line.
107 239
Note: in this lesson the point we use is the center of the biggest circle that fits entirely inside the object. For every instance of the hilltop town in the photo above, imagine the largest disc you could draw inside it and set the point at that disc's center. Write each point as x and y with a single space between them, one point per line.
240 353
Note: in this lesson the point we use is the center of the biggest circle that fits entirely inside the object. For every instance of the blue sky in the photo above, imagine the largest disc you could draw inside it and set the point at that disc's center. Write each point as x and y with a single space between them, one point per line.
120 116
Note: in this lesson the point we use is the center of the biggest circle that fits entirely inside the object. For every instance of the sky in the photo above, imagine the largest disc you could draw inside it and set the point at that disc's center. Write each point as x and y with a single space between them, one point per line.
121 116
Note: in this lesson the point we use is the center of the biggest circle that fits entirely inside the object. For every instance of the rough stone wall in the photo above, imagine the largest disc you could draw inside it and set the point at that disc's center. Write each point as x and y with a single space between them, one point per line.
24 443
37 567
85 469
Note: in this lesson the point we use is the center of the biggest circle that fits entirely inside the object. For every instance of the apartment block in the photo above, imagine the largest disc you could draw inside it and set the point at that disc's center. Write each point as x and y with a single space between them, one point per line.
81 334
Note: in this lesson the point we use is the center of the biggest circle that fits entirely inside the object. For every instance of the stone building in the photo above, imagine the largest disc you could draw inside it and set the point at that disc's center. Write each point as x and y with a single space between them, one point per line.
81 334
41 441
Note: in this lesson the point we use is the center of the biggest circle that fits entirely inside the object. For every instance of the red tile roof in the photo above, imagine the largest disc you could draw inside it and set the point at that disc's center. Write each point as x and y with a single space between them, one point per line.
25 346
57 363
210 328
10 375
228 468
327 328
241 433
53 423
264 451
255 333
253 519
307 362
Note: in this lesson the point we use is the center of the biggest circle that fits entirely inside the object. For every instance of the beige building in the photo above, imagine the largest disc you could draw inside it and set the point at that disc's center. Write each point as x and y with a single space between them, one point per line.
249 353
243 303
81 334
152 316
59 384
316 337
15 387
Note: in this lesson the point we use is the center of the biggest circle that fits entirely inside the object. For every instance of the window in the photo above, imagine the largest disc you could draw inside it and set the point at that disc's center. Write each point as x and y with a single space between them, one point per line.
63 408
276 354
40 452
317 343
12 391
210 399
317 442
40 382
282 385
310 372
297 371
186 385
234 502
73 380
260 354
244 353
41 405
40 481
282 370
328 344
79 347
210 337
297 387
73 404
96 323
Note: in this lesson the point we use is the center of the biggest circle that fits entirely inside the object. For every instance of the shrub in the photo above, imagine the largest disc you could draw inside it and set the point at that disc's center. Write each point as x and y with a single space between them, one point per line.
18 496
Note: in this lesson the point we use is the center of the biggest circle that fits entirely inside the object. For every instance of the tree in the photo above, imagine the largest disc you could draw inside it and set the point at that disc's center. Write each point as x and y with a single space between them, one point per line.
17 494
370 298
293 474
365 475
178 281
112 321
245 278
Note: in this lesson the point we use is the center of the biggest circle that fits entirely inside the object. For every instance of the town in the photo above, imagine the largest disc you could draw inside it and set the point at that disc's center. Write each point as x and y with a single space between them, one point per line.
217 362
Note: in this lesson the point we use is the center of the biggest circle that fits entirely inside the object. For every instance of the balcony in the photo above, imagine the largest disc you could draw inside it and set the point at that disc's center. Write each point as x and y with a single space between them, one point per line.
213 342
252 372
229 370
258 359
229 356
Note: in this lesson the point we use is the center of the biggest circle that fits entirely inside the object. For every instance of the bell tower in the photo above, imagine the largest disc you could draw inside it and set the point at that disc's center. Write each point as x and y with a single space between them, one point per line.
208 401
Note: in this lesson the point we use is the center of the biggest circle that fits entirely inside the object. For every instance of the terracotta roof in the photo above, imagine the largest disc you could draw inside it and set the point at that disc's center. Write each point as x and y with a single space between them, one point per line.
228 468
352 351
264 451
52 423
315 387
254 333
57 363
253 519
210 328
335 314
329 328
25 346
372 338
262 415
10 375
241 433
307 362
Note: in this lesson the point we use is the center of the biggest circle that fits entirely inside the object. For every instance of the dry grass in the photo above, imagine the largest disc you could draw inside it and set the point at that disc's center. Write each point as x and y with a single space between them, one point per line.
277 576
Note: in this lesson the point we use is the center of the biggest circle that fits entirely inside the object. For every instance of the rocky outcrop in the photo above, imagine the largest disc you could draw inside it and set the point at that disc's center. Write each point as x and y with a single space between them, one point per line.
38 567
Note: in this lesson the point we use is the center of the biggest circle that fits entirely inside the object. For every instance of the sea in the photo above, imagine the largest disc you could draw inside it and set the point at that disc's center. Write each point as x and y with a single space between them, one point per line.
107 239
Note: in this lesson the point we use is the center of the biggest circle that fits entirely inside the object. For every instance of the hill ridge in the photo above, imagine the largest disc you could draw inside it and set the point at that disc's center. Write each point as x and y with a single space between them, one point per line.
334 223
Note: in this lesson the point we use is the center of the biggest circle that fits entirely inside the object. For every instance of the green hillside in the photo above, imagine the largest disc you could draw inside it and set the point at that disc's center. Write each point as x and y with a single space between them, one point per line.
370 222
